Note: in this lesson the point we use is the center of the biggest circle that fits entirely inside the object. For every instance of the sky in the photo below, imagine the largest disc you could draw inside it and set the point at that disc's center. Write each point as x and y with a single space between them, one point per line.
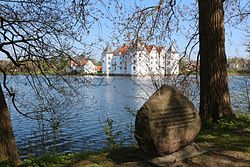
104 30
235 37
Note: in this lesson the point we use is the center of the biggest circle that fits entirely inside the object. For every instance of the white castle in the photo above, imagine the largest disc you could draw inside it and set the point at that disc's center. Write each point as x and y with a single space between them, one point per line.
140 60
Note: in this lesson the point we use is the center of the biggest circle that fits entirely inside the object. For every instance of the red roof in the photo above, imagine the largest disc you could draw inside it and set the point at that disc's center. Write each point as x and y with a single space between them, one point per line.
78 63
123 50
159 49
83 61
149 48
98 68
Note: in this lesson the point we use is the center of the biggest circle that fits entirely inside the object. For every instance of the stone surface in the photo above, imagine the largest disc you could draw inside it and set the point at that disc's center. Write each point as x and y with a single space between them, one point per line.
166 123
189 151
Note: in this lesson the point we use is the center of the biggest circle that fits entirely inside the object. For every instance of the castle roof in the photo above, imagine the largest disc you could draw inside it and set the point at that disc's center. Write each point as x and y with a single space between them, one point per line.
171 49
149 48
159 49
122 50
108 50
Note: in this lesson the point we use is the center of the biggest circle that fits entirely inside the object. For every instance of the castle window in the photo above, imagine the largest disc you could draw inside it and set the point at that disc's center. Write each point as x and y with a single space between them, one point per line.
134 68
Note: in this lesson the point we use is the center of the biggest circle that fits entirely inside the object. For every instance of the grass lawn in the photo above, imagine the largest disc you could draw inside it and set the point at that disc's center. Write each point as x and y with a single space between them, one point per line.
227 144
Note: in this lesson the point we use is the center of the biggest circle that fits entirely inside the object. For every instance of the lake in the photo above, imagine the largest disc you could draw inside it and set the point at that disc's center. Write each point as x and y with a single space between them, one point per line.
74 114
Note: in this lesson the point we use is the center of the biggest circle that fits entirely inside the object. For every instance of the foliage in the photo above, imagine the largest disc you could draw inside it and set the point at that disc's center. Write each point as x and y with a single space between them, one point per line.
85 158
161 22
241 121
238 72
111 135
229 134
40 38
56 160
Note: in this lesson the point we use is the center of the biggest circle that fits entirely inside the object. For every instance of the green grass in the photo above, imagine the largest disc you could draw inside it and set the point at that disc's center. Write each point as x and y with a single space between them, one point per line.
60 160
104 157
228 134
238 72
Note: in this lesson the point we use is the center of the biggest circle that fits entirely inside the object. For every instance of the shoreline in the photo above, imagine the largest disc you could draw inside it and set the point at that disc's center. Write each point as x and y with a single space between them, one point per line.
226 144
125 75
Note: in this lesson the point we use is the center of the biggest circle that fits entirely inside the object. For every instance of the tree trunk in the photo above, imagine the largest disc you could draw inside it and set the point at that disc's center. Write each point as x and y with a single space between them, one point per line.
214 93
8 149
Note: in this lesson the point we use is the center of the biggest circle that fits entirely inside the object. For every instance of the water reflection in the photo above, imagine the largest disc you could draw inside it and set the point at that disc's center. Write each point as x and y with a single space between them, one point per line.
76 120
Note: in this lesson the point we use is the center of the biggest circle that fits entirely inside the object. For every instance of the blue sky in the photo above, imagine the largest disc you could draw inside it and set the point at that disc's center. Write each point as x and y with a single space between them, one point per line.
235 38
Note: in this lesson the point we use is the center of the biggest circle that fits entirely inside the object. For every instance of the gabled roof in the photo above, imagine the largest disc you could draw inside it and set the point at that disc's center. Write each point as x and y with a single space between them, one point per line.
123 50
83 61
171 49
96 62
98 68
79 61
159 49
149 48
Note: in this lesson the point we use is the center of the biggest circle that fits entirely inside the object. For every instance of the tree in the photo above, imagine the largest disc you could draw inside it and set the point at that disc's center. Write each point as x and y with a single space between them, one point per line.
214 93
32 35
202 22
8 149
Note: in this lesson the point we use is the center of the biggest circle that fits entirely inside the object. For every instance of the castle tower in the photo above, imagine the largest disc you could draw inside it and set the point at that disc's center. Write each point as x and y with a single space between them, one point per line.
175 58
107 56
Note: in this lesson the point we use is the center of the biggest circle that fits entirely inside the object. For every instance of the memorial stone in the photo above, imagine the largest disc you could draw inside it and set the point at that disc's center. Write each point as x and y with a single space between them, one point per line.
166 123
